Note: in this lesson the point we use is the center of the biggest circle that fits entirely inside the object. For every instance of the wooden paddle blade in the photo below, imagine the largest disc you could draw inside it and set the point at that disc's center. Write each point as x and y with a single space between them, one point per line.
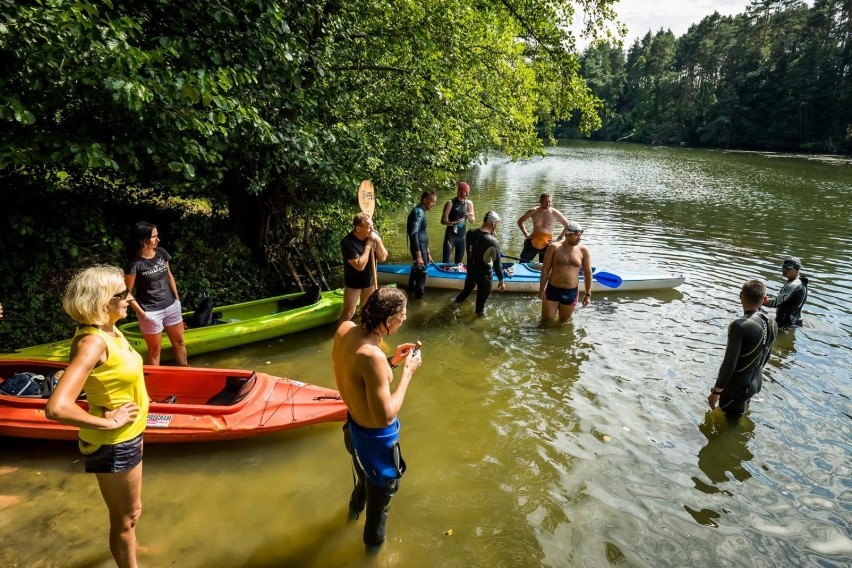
607 279
367 197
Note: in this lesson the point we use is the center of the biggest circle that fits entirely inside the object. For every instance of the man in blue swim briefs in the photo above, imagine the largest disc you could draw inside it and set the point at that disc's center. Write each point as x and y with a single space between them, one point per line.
559 285
363 376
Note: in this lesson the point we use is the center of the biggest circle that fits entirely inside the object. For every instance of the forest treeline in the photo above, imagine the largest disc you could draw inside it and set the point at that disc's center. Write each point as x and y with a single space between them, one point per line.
776 77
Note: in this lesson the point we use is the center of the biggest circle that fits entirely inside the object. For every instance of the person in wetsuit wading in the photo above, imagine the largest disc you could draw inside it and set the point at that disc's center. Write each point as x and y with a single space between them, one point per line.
418 243
750 340
789 301
457 212
483 255
363 376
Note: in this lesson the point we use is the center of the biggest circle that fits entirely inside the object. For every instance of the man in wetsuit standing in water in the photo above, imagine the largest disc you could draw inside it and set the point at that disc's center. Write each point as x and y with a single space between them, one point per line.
457 212
363 376
483 255
789 301
559 284
750 340
418 243
544 218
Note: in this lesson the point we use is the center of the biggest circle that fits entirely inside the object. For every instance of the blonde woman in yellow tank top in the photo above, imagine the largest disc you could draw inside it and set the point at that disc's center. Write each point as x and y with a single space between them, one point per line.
110 371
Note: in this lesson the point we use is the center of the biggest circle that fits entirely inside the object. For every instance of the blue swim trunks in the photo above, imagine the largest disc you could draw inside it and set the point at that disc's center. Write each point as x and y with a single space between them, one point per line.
567 296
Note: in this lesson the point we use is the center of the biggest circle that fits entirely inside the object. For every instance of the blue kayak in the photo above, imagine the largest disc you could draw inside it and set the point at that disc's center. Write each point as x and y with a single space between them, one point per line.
524 277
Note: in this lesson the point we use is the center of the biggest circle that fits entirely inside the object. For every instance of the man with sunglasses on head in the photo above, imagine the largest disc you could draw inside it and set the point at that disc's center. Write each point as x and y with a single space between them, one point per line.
559 285
789 301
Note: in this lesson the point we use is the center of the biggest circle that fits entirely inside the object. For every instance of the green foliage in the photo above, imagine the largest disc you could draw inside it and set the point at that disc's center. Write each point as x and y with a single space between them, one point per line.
778 76
57 224
309 95
272 111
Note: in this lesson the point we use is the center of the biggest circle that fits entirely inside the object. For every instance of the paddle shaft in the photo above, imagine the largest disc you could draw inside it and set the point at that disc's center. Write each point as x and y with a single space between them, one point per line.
606 278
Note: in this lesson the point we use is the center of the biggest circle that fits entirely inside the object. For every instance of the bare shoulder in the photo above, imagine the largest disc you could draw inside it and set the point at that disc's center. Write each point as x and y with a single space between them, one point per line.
343 329
88 342
369 352
368 361
88 349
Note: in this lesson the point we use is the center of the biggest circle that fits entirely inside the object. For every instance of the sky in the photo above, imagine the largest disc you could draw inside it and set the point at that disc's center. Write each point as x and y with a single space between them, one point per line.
676 15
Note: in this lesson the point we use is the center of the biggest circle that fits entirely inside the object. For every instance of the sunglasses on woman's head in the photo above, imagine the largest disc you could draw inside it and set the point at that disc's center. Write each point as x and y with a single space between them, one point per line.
122 295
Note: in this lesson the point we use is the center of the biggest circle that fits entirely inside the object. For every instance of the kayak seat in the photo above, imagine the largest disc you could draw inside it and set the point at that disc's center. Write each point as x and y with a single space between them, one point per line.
312 295
236 389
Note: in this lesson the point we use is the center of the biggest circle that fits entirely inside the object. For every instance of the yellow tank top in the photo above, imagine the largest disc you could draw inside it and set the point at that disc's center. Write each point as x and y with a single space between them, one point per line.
112 384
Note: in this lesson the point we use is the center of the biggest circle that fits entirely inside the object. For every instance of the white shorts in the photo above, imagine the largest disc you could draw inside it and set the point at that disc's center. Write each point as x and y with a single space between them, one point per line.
156 319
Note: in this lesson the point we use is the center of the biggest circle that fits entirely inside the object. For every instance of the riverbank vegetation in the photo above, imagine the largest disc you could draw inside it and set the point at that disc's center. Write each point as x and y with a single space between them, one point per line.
242 128
776 77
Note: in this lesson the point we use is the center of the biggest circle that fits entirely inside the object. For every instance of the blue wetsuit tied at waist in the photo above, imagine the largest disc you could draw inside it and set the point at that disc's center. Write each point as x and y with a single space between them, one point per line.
377 451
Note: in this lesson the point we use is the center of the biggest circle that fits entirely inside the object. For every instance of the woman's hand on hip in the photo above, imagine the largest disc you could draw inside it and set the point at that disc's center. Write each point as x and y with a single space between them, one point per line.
124 414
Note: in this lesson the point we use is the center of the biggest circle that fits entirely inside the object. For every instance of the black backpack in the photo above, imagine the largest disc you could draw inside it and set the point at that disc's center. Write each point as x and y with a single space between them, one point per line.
30 385
203 314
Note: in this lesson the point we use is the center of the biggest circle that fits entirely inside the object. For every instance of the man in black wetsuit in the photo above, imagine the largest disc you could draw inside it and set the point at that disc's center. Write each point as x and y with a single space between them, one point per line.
789 301
750 340
457 212
483 255
418 243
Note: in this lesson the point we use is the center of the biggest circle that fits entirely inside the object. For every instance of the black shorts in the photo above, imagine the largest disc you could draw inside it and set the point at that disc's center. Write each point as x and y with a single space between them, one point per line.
112 458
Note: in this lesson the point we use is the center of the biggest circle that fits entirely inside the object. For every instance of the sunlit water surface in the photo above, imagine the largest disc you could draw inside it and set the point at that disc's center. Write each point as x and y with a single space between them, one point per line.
585 444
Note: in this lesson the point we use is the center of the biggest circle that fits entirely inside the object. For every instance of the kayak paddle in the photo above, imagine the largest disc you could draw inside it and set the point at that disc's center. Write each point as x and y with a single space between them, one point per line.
367 203
607 279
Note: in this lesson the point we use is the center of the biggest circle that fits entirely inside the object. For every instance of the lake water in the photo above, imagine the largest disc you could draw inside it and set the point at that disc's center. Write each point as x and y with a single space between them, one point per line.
584 444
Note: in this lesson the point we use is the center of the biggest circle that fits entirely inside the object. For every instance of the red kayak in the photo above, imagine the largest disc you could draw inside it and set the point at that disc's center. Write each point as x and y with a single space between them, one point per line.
197 405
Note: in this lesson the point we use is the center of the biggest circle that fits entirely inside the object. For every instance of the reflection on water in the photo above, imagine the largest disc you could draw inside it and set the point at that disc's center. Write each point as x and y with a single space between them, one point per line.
584 444
726 447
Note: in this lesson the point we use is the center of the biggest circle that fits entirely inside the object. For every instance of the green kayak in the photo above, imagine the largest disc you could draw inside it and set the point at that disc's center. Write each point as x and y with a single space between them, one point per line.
237 324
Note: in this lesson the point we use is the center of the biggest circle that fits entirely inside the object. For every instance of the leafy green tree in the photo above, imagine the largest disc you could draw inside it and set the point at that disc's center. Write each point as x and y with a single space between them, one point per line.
603 68
285 105
776 76
280 107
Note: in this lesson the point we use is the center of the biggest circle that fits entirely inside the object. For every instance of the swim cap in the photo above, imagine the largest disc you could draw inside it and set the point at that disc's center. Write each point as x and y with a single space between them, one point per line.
463 186
574 227
491 217
792 262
